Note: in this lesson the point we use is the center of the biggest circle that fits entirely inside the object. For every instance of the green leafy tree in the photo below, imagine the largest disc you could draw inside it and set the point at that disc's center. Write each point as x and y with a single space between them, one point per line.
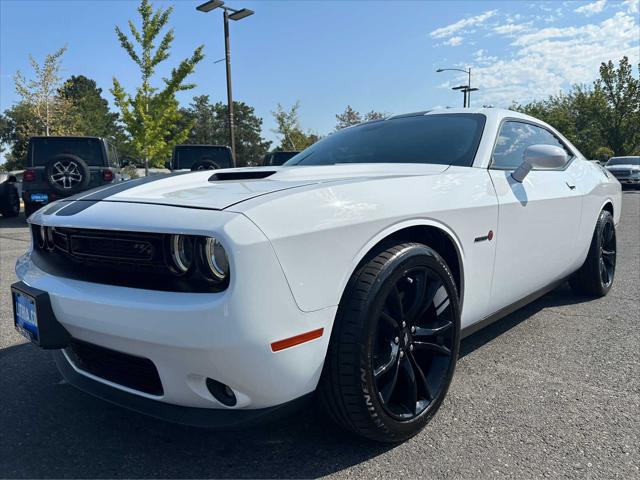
605 114
18 124
603 154
621 117
288 127
50 113
92 114
352 117
210 127
152 114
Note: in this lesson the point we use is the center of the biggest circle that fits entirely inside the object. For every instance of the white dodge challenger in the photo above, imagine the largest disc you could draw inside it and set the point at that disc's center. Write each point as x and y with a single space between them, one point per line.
218 298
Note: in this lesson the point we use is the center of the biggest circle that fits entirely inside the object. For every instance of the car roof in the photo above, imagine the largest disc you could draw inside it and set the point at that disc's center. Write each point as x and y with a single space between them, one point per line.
492 114
66 137
187 145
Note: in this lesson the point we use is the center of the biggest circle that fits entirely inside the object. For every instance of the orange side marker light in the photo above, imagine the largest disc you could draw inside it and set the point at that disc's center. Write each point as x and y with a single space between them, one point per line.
297 340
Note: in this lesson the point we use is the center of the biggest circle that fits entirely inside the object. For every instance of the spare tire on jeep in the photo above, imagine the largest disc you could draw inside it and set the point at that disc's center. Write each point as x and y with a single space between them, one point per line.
205 165
67 174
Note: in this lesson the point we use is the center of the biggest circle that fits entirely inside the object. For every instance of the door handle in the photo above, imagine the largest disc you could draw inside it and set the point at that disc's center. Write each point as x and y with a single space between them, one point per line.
571 186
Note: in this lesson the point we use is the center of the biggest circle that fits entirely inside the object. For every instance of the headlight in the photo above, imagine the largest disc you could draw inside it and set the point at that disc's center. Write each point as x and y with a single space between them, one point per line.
181 248
40 236
215 258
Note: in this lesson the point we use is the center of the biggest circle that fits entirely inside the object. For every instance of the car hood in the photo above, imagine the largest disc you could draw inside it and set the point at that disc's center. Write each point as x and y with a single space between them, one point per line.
220 189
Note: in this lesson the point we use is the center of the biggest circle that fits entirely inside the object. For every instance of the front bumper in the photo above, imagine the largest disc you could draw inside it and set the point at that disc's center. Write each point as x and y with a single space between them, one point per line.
191 416
190 337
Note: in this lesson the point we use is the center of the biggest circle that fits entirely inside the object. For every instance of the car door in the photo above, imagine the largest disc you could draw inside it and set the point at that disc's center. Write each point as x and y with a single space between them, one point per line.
538 219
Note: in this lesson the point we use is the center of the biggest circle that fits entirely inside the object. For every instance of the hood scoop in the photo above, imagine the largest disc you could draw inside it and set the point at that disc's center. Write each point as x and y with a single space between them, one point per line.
241 175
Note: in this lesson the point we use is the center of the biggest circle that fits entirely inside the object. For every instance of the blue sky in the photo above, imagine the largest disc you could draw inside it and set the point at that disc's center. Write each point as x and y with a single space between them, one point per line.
327 54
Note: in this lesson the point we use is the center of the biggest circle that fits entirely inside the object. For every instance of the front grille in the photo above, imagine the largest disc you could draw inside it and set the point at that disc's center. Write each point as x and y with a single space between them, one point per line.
127 259
133 372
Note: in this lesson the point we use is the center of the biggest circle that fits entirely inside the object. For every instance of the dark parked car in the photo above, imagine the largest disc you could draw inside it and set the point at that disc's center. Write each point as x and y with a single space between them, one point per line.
62 166
9 195
201 157
273 159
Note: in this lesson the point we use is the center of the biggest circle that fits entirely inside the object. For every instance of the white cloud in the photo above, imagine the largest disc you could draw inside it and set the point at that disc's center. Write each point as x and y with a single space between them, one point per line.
547 60
591 8
453 41
632 5
510 28
450 30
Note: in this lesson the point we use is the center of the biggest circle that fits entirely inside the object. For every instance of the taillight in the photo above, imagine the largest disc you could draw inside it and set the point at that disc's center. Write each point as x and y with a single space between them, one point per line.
29 176
107 175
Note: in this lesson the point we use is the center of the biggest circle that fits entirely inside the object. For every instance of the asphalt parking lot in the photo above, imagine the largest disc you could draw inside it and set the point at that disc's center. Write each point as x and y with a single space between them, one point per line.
552 390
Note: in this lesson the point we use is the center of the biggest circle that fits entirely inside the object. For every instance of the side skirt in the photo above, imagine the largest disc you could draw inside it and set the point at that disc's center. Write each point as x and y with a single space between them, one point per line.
473 328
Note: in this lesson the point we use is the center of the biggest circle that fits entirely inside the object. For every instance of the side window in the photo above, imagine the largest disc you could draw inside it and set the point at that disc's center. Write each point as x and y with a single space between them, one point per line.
113 155
514 138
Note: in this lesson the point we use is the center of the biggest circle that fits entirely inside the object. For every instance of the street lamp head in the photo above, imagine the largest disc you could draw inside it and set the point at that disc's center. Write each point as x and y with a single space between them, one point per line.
240 14
439 70
461 87
210 5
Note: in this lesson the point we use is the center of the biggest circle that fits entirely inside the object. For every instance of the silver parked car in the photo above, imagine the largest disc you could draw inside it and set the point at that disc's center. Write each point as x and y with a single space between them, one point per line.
625 169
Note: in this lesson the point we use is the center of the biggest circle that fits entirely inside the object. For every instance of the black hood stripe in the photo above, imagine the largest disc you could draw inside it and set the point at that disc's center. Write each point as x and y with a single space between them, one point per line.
81 201
102 193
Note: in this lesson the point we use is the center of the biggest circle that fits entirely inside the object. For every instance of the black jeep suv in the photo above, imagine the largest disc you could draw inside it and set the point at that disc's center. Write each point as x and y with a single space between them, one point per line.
62 166
201 157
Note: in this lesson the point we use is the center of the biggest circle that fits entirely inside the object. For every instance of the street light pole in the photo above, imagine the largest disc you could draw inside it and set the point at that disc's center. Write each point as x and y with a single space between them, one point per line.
227 56
466 89
234 15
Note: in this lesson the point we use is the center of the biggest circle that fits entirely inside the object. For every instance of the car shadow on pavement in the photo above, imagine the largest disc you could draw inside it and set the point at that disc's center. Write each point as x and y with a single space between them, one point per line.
50 429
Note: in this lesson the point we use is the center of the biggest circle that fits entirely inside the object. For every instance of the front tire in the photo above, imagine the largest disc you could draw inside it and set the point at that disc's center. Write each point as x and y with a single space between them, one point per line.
394 345
595 277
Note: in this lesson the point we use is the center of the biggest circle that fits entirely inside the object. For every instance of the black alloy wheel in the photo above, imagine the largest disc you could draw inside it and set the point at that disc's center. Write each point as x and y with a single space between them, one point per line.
414 343
607 254
595 276
394 344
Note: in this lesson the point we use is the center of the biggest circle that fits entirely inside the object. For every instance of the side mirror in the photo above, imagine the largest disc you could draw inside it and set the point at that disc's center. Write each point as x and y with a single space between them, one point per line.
544 157
126 162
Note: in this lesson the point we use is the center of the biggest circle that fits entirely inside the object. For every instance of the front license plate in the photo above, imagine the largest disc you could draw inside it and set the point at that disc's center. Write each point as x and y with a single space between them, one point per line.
40 197
25 316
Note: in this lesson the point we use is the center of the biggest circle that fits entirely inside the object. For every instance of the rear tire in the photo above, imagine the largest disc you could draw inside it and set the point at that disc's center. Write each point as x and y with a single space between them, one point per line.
9 201
394 345
595 277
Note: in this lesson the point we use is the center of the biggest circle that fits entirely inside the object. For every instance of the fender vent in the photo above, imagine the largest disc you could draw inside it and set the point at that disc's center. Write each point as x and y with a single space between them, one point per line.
222 176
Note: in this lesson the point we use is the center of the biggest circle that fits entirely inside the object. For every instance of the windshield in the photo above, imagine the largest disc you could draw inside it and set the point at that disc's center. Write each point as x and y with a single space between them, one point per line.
186 157
623 161
447 139
88 149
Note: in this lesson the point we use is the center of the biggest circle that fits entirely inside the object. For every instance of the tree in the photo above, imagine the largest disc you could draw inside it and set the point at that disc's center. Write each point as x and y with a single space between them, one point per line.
621 93
351 117
210 127
92 114
51 114
152 115
293 138
606 114
603 154
348 118
18 124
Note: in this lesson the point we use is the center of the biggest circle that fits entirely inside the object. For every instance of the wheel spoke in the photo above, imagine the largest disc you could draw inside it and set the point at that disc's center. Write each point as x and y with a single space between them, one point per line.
430 332
390 320
604 274
432 347
411 392
422 380
420 282
396 302
387 390
387 366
